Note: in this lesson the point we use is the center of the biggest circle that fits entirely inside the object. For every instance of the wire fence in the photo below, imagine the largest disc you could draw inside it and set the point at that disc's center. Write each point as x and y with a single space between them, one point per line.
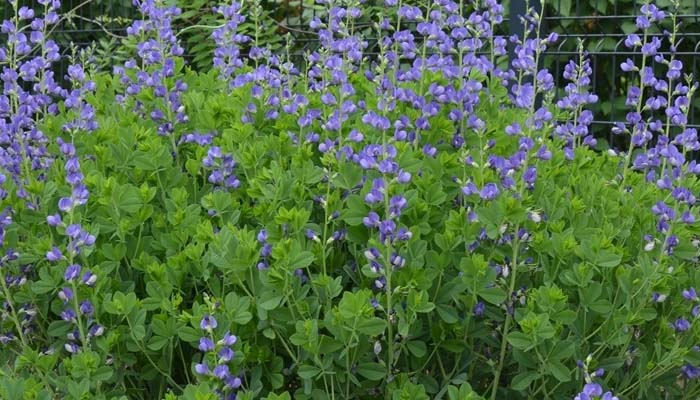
602 24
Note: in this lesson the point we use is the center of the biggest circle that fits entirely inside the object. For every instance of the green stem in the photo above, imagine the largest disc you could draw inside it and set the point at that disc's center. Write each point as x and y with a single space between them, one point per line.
76 305
509 318
165 374
13 313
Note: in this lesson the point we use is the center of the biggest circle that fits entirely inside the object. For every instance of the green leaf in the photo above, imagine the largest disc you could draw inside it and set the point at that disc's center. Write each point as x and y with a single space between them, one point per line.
565 317
520 340
447 313
372 327
608 259
269 333
301 260
269 301
189 334
157 342
283 396
102 374
349 176
563 349
238 308
523 380
127 198
493 295
562 7
559 371
308 371
417 348
601 306
372 371
42 287
647 314
356 210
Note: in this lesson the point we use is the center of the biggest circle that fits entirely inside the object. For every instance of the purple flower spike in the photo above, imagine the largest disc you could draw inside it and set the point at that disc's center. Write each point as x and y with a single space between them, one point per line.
371 220
96 330
233 382
89 279
593 389
71 348
65 204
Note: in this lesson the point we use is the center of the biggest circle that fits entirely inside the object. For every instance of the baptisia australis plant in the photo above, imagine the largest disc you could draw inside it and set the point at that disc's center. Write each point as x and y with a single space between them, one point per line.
668 96
79 310
29 93
416 216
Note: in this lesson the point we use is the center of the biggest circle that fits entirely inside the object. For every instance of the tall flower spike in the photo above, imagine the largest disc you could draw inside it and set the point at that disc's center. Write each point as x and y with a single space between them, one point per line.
29 90
227 55
218 354
158 50
577 97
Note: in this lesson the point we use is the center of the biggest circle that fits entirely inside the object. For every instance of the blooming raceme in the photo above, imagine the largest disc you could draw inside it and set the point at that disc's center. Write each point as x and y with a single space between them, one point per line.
592 390
157 50
221 166
76 311
660 106
216 358
227 55
575 100
29 92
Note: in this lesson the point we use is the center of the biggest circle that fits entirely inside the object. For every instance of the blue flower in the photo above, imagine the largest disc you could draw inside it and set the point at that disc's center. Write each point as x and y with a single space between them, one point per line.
690 371
54 254
690 294
489 191
208 323
72 272
225 354
201 368
86 308
206 344
228 339
681 325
